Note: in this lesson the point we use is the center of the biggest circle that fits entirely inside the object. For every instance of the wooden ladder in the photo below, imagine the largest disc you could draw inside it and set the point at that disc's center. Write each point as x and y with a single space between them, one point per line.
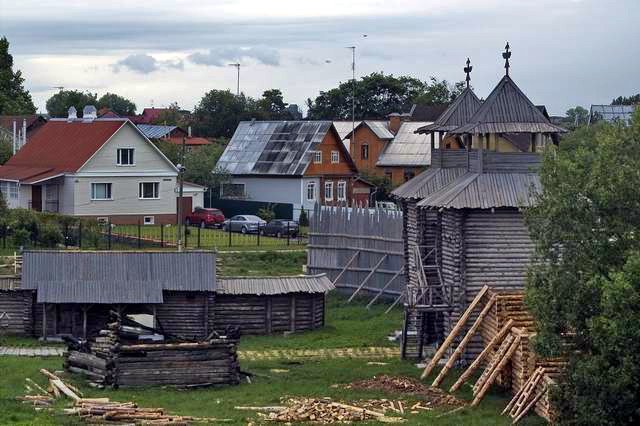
502 350
521 399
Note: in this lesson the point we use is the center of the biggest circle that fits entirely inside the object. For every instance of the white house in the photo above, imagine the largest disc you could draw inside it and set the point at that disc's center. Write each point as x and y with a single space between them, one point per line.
103 168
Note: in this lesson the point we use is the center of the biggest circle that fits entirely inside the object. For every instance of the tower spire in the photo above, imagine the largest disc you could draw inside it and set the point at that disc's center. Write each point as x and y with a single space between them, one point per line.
467 71
506 55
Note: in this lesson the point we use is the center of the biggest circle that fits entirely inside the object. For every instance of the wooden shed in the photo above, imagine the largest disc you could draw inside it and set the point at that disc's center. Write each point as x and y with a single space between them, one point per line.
16 307
464 225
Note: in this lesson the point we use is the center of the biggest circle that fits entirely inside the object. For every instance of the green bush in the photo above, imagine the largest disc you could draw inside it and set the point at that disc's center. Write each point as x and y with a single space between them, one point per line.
303 220
50 235
267 213
21 237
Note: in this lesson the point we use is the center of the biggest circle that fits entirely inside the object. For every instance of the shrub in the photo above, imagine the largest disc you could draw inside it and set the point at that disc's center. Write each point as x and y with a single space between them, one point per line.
267 213
50 235
303 220
21 237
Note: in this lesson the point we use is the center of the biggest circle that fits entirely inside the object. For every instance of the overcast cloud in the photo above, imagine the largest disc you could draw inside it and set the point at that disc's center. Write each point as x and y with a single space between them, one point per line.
565 52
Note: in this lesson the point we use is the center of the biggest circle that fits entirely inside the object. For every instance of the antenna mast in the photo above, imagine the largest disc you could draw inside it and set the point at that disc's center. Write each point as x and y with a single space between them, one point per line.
237 65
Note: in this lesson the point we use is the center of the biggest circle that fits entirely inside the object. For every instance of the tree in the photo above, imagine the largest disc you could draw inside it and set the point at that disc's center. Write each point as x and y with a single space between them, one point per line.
378 94
58 105
14 99
219 112
583 290
271 106
172 116
6 149
116 103
627 100
576 117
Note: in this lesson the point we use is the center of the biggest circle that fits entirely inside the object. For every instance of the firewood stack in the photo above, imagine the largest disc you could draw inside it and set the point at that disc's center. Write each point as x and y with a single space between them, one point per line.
116 358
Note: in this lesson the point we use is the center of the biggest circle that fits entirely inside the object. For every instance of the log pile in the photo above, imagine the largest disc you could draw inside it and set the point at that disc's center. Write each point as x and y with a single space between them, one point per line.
116 359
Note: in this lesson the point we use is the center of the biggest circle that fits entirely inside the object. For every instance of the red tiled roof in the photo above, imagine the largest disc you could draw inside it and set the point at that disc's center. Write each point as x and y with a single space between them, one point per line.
57 147
190 141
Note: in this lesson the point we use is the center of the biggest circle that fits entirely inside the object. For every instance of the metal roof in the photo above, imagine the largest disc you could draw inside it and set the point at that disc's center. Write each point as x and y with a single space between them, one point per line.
612 113
457 114
507 109
486 190
115 277
153 131
379 128
272 147
274 285
427 183
407 147
344 128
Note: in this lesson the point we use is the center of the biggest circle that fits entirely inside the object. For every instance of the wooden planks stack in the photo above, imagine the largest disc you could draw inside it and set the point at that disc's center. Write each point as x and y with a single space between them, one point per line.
114 361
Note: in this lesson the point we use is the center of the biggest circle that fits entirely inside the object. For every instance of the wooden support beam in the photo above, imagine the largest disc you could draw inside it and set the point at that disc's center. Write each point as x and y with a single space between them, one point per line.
368 277
44 321
487 350
55 319
396 275
206 312
518 402
267 313
395 302
494 373
293 313
84 321
355 255
529 406
452 359
454 332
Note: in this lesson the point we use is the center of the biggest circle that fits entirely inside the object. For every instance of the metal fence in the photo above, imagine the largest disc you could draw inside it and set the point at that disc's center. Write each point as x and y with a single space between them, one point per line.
105 236
361 250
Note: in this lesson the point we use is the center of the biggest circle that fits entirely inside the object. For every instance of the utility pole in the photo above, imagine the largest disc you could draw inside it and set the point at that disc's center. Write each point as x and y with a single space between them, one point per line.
237 65
181 169
353 95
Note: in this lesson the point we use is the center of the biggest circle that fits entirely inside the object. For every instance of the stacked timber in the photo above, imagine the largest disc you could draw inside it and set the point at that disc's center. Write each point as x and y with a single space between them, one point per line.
115 359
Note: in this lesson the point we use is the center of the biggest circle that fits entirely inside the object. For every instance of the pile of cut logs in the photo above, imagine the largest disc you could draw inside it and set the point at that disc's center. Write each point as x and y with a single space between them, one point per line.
116 359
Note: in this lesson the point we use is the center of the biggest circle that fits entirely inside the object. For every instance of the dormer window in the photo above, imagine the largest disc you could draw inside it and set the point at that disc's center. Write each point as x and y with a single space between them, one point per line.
125 157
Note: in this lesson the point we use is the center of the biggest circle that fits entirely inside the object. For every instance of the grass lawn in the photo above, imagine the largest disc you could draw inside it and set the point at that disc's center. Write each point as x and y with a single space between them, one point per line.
257 264
348 325
26 342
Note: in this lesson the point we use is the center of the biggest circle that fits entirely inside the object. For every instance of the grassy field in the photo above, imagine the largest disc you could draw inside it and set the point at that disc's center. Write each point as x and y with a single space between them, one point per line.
348 325
257 264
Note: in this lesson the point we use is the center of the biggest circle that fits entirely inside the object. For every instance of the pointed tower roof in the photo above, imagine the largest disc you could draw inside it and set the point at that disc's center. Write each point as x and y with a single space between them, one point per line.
456 115
508 110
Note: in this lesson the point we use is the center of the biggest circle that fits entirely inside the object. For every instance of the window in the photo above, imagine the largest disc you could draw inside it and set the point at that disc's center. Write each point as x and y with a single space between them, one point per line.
232 190
328 191
408 174
311 191
101 191
317 157
9 189
125 157
149 220
149 190
364 152
342 191
335 157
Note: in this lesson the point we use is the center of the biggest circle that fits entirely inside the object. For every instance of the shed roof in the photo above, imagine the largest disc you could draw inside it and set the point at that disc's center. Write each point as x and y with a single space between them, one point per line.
485 191
275 285
427 182
115 277
507 109
457 114
407 147
272 147
154 131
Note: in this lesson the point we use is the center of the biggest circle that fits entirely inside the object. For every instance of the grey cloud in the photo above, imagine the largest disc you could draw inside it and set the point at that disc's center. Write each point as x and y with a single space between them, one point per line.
221 56
145 64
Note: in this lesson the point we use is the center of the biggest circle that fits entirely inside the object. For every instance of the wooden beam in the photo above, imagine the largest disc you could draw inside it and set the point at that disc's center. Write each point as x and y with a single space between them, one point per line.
267 311
395 302
494 373
55 319
454 332
476 363
452 359
346 267
84 321
396 275
206 312
367 278
44 321
293 312
529 406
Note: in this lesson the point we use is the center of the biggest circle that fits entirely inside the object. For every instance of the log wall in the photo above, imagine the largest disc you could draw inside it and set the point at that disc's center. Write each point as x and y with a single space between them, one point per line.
184 314
16 312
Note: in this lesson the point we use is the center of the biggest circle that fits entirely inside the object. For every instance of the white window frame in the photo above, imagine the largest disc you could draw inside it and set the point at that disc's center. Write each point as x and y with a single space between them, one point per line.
328 187
110 191
148 220
342 187
362 150
9 189
335 157
141 192
317 157
311 186
119 157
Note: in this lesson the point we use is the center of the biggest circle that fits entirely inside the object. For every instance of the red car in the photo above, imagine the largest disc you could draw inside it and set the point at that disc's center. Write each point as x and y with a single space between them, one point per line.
205 217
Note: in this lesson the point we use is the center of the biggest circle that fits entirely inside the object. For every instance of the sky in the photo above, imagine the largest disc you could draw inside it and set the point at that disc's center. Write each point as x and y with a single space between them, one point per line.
565 52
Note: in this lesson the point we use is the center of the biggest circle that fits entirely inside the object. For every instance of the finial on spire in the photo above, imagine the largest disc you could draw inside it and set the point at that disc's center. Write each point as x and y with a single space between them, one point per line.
506 55
467 70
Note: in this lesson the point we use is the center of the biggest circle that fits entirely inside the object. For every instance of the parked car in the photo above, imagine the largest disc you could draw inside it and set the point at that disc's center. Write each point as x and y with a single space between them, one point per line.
280 228
205 217
244 223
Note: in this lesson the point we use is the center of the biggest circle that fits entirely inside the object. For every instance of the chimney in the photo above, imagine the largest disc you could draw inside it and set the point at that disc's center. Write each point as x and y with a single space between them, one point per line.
89 113
24 132
395 120
15 137
72 114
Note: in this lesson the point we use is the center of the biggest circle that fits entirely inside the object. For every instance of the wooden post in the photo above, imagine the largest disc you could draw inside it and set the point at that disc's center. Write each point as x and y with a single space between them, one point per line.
465 340
268 315
44 321
313 311
84 321
373 271
206 304
454 332
293 312
155 321
396 275
494 373
55 319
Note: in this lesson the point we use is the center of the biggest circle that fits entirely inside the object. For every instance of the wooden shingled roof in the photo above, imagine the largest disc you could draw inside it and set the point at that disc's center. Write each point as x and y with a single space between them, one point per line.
456 115
506 110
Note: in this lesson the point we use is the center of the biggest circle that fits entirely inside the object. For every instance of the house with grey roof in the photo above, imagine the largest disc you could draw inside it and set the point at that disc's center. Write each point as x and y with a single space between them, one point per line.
611 113
299 163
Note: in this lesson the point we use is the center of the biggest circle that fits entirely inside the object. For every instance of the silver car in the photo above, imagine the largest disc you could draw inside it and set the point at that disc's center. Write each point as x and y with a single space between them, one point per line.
243 223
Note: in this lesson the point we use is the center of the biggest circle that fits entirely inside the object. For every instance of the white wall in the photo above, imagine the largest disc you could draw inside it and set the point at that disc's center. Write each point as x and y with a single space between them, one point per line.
277 190
24 196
